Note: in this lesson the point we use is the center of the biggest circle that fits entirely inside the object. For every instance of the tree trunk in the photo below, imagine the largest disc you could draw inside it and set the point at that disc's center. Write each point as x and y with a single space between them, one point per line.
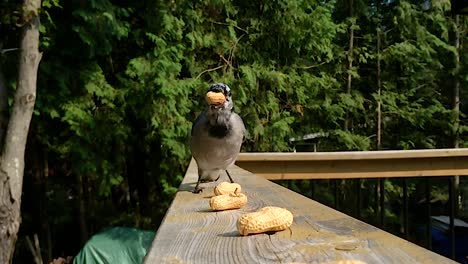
456 87
45 217
3 106
42 167
350 61
12 161
379 87
456 103
84 234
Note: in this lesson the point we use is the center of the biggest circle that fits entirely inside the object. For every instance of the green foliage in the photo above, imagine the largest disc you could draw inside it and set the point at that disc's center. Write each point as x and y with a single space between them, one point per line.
352 141
99 24
90 117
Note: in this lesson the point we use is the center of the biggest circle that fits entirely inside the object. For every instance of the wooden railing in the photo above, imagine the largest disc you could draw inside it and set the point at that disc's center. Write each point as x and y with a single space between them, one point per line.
192 233
381 165
356 164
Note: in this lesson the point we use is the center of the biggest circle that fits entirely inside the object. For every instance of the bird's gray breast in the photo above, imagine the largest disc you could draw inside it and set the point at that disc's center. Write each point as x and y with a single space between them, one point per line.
218 150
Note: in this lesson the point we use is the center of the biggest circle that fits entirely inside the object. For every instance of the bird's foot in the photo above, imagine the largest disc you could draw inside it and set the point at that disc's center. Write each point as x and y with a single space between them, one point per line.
197 190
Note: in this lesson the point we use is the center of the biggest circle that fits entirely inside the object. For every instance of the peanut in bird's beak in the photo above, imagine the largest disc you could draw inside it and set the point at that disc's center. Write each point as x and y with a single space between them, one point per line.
215 99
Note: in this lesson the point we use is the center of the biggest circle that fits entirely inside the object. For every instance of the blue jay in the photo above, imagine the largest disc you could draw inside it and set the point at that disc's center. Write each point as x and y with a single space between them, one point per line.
216 137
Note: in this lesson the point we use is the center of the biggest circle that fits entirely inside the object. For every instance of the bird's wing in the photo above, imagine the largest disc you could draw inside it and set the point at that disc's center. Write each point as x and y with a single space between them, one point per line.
238 122
200 118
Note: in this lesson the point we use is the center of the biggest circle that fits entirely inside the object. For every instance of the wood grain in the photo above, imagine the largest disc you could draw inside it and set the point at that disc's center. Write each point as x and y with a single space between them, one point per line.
192 233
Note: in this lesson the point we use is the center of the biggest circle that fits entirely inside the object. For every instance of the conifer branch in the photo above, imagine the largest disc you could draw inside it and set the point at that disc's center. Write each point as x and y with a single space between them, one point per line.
209 70
313 66
226 24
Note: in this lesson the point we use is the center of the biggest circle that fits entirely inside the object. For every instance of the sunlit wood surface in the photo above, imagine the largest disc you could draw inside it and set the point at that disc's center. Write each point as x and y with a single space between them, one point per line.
356 164
192 233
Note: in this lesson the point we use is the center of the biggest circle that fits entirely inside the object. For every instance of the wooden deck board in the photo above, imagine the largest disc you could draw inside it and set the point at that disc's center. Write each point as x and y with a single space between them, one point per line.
192 233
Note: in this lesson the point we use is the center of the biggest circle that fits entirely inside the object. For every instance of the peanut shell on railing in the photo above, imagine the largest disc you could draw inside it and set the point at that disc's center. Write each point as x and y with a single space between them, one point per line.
267 219
228 201
227 187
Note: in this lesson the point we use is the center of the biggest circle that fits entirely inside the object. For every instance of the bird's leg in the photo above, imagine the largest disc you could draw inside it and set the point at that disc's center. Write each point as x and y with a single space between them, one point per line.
219 176
229 176
197 188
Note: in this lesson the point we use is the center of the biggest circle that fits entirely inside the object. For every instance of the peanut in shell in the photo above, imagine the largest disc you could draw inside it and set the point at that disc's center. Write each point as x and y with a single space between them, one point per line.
214 98
227 187
228 201
267 219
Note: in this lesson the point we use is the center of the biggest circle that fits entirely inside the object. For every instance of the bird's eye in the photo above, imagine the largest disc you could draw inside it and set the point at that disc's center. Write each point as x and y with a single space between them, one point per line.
227 91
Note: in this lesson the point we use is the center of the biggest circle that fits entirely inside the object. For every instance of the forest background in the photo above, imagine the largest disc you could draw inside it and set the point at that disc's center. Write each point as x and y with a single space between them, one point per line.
120 83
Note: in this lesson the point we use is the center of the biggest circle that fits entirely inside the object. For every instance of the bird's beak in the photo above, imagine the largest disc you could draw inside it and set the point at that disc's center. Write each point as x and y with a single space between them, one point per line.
215 99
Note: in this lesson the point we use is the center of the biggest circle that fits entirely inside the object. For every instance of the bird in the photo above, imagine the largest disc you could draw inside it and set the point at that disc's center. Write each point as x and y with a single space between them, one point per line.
217 135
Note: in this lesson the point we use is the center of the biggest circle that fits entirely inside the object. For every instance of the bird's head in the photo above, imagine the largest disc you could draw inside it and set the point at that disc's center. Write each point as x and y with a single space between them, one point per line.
219 98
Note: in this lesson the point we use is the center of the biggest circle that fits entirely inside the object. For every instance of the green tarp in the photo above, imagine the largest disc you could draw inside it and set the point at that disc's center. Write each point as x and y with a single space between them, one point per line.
116 245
